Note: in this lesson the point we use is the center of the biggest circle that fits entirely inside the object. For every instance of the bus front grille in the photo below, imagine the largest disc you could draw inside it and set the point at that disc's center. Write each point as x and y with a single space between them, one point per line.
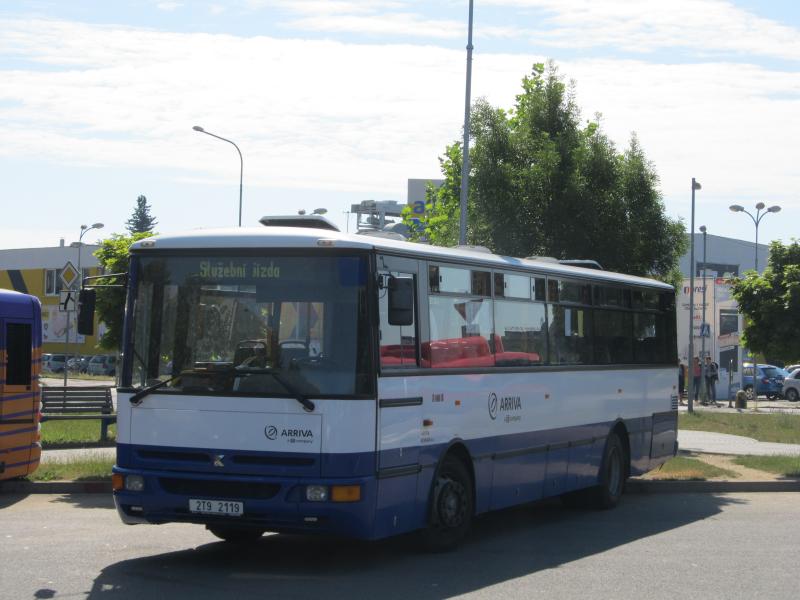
217 488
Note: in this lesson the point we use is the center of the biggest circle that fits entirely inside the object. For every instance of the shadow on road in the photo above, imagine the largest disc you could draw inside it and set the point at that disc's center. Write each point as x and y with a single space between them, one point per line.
87 500
503 546
9 499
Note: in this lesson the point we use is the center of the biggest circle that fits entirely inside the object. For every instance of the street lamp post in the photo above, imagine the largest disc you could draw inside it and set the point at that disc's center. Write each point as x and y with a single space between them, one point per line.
241 163
79 244
690 387
756 219
462 227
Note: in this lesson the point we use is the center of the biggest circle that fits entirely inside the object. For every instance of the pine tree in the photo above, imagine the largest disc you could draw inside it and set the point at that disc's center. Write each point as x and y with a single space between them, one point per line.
141 220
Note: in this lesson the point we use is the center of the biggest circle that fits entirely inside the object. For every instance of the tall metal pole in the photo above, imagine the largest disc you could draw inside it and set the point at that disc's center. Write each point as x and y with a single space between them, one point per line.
690 387
703 386
757 221
462 231
241 163
66 350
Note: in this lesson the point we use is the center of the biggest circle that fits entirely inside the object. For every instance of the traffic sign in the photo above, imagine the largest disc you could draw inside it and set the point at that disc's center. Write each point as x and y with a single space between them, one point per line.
67 301
69 275
705 330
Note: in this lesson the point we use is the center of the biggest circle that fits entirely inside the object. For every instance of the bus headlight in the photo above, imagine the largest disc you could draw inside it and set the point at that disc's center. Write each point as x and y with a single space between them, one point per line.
317 493
134 483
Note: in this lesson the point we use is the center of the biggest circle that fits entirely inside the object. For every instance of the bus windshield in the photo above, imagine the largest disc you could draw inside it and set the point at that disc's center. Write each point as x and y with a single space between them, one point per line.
267 325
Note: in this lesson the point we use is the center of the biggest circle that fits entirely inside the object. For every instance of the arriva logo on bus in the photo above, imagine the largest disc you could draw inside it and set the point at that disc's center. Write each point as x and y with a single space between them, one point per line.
504 404
293 436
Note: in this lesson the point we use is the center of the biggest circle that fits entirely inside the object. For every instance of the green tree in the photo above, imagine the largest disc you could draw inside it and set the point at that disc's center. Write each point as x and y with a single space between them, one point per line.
770 303
141 220
110 304
544 184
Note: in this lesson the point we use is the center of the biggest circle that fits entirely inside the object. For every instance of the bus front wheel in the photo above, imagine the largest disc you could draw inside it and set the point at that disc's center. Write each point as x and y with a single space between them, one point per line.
452 507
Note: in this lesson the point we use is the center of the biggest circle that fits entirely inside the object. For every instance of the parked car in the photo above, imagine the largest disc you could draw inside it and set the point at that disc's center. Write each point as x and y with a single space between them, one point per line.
792 368
768 381
56 363
78 364
46 361
102 365
791 386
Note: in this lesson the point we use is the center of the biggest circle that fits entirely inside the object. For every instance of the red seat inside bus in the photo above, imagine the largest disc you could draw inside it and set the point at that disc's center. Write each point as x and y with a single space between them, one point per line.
472 351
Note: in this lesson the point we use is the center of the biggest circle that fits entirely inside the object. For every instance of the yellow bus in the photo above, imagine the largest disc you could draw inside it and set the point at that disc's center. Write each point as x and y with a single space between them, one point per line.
20 395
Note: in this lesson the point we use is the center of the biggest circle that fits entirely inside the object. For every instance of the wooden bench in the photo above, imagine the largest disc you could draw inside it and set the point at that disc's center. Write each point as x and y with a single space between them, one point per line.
79 403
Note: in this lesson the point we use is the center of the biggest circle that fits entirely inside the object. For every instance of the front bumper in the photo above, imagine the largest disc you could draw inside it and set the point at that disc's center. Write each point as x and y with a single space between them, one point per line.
271 504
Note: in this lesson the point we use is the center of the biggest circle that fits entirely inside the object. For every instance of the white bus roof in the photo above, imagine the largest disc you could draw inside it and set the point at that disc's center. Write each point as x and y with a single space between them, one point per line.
299 237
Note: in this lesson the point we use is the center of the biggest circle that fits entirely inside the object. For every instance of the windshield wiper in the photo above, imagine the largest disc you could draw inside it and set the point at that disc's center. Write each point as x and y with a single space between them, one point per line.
137 398
308 405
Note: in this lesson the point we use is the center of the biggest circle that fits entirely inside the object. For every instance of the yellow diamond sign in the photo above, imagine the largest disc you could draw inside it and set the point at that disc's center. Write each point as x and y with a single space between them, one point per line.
69 275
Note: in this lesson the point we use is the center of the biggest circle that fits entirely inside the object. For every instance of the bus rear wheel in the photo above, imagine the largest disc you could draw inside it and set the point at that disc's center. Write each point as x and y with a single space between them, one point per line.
451 508
235 535
613 472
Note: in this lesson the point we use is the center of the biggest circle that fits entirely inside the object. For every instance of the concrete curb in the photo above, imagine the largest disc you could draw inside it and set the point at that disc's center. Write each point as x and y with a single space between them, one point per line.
649 486
55 487
633 486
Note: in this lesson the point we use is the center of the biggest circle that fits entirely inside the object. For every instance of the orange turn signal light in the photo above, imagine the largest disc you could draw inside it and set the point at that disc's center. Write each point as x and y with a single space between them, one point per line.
117 481
345 493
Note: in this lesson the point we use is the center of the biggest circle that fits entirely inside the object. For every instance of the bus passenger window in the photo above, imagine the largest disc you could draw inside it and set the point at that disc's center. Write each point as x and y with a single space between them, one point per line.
521 335
613 337
570 335
460 329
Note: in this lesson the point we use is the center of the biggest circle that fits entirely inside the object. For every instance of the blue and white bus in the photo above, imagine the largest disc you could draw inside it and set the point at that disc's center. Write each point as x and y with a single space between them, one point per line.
301 379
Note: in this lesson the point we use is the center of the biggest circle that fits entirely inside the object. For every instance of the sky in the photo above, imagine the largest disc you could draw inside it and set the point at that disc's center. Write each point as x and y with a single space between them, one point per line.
334 102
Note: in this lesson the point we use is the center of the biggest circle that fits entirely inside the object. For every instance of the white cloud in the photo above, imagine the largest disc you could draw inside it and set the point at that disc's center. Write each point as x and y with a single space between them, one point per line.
355 117
704 26
648 25
169 6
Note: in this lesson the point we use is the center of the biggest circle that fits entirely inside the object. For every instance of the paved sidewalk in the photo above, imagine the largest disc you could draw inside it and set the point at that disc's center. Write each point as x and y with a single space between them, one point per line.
722 443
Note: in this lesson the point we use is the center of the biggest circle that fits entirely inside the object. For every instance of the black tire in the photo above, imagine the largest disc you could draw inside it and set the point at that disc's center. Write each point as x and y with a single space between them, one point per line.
748 390
613 473
236 535
451 506
792 395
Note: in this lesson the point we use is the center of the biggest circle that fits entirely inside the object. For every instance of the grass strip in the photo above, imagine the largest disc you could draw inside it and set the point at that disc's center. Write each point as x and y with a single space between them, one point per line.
77 433
774 427
787 466
682 468
91 469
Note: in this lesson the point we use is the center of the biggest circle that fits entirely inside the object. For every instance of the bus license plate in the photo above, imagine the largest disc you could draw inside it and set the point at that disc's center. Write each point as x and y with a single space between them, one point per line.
217 507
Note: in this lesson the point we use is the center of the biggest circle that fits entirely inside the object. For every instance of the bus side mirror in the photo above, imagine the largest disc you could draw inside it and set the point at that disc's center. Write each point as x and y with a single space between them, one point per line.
86 312
401 301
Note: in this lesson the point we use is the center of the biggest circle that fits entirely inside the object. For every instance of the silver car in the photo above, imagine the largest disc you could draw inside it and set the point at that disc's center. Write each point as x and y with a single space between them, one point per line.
102 365
791 386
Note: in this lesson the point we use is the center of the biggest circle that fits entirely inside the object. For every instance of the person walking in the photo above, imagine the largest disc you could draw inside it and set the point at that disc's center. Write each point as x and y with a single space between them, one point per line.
681 381
696 374
712 375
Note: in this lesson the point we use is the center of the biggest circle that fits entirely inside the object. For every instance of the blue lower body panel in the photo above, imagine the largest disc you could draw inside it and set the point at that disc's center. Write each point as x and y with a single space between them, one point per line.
271 504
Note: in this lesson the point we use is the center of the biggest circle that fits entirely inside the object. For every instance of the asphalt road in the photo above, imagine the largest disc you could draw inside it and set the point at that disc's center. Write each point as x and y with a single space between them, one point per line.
662 546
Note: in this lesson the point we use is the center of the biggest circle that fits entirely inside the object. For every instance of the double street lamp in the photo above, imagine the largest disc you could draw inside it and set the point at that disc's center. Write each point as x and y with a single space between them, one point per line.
241 163
756 219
